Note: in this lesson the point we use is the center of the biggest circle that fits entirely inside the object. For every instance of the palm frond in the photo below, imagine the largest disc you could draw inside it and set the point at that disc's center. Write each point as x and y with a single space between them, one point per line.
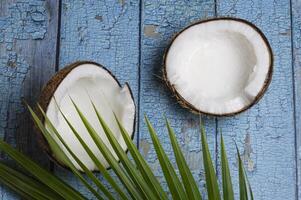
135 174
174 183
226 176
96 161
79 162
142 165
124 178
211 179
244 188
30 187
46 177
58 151
128 165
190 185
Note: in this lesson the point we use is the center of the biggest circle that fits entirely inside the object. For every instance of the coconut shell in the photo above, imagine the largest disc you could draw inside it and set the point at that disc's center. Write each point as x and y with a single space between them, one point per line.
189 106
48 92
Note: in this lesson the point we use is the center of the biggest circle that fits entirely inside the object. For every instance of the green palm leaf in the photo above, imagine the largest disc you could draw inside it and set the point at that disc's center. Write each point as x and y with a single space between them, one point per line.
86 170
128 165
58 151
128 183
226 176
136 175
250 192
174 184
211 179
16 186
41 174
243 190
143 167
26 185
99 165
188 180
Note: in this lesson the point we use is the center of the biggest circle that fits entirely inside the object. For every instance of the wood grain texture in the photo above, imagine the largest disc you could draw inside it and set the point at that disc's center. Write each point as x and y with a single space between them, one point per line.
161 19
127 34
28 31
106 32
296 49
265 133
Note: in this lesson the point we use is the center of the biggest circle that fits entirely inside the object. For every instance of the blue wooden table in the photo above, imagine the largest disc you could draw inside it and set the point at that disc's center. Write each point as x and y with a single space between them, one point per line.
39 37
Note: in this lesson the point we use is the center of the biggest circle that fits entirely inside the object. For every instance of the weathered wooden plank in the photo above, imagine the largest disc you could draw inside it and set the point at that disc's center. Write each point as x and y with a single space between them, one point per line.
265 134
106 32
296 42
160 20
28 31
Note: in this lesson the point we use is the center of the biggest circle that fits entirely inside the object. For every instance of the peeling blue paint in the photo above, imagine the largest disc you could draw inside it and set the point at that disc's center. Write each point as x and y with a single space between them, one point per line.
271 158
23 20
106 32
13 70
160 21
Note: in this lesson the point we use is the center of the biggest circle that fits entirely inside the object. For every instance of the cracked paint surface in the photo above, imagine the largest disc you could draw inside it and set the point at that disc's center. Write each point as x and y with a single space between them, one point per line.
106 32
13 69
160 21
246 156
270 123
24 20
296 42
20 22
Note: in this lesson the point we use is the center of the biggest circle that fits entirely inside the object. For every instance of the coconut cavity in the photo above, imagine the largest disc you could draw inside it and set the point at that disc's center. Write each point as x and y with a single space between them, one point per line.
218 67
84 82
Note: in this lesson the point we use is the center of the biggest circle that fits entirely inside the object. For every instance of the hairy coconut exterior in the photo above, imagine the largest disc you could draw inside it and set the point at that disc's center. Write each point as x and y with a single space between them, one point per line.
48 92
192 108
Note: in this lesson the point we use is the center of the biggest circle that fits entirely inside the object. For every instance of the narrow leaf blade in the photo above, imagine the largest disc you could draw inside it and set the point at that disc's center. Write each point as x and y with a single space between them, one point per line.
188 180
211 179
243 191
41 174
226 176
16 188
99 165
173 182
143 167
127 182
128 165
59 152
79 162
249 187
33 188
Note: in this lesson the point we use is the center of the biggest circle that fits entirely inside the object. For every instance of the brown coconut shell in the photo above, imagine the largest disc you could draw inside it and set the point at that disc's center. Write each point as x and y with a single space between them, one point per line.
48 92
189 106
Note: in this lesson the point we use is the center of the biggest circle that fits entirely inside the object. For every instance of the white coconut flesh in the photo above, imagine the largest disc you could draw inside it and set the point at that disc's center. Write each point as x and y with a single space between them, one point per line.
84 81
219 66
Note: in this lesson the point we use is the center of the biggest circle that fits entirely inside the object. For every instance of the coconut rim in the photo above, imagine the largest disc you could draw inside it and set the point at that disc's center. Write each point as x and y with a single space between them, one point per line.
185 104
47 93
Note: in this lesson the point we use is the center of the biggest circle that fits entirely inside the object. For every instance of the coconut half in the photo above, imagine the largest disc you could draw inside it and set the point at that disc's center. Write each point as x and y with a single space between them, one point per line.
82 81
219 66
